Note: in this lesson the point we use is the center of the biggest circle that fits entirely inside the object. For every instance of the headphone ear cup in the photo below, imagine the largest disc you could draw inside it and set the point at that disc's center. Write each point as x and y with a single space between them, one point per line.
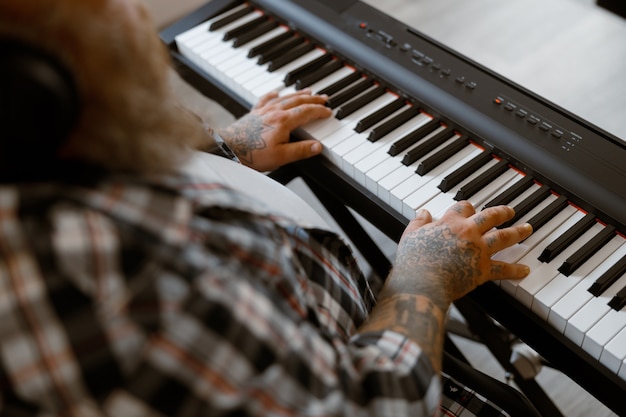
39 104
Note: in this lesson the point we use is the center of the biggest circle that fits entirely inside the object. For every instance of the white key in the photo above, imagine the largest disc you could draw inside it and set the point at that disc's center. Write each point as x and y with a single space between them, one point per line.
614 352
502 182
243 62
542 273
603 331
378 147
190 37
405 181
355 141
536 242
276 81
574 300
330 79
339 130
561 284
587 316
430 189
214 47
377 160
438 205
540 237
400 174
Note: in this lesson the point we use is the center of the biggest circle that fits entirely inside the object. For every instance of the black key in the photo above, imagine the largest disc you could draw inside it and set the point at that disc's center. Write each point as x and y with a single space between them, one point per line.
481 181
393 123
555 248
572 263
619 300
246 27
269 44
349 93
325 71
527 205
423 149
441 156
608 278
379 115
512 192
340 84
544 216
262 29
307 68
362 100
280 49
230 18
463 171
413 137
290 56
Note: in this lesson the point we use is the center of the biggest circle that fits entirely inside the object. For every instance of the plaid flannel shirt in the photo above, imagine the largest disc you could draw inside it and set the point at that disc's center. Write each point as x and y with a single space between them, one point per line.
134 298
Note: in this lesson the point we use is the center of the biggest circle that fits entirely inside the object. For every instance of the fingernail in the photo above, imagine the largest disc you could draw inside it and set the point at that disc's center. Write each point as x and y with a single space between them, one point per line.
421 212
316 148
528 228
526 270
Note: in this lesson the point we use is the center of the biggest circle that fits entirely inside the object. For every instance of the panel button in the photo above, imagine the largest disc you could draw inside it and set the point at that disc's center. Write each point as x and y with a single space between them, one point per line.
557 134
510 106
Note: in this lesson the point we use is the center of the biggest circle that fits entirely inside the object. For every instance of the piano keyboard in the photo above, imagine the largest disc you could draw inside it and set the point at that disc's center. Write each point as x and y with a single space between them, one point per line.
411 158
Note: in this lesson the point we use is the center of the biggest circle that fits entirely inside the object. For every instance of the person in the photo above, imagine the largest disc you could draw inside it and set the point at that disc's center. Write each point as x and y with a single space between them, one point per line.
134 285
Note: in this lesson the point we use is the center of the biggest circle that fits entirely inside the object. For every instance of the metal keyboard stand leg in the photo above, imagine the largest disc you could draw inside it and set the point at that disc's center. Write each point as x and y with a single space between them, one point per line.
498 341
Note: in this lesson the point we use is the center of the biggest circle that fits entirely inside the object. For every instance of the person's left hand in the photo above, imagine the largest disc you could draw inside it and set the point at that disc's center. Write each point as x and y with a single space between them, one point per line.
260 139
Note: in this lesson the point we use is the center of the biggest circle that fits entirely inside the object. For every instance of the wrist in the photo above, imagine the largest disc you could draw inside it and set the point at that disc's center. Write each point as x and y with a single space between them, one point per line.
220 147
419 285
416 317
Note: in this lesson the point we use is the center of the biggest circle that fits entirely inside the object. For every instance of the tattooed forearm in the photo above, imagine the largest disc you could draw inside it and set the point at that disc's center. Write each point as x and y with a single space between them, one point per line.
417 317
245 136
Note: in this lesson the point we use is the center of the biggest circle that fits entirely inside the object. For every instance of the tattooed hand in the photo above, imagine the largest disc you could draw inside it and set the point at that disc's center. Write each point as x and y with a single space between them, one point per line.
448 258
261 138
438 262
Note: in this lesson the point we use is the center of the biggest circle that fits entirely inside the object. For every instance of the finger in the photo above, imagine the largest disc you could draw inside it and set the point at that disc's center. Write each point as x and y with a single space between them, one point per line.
499 239
266 98
304 92
503 270
491 217
303 114
288 102
296 151
464 208
422 217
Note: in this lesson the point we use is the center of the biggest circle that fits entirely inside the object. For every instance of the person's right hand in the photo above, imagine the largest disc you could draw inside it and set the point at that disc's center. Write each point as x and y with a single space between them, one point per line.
447 258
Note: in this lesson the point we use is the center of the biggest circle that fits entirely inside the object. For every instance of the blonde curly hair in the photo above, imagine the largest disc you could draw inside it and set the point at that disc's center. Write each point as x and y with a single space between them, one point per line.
130 118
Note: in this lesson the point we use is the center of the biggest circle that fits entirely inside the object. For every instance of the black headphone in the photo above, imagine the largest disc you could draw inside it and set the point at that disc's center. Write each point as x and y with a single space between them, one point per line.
39 107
